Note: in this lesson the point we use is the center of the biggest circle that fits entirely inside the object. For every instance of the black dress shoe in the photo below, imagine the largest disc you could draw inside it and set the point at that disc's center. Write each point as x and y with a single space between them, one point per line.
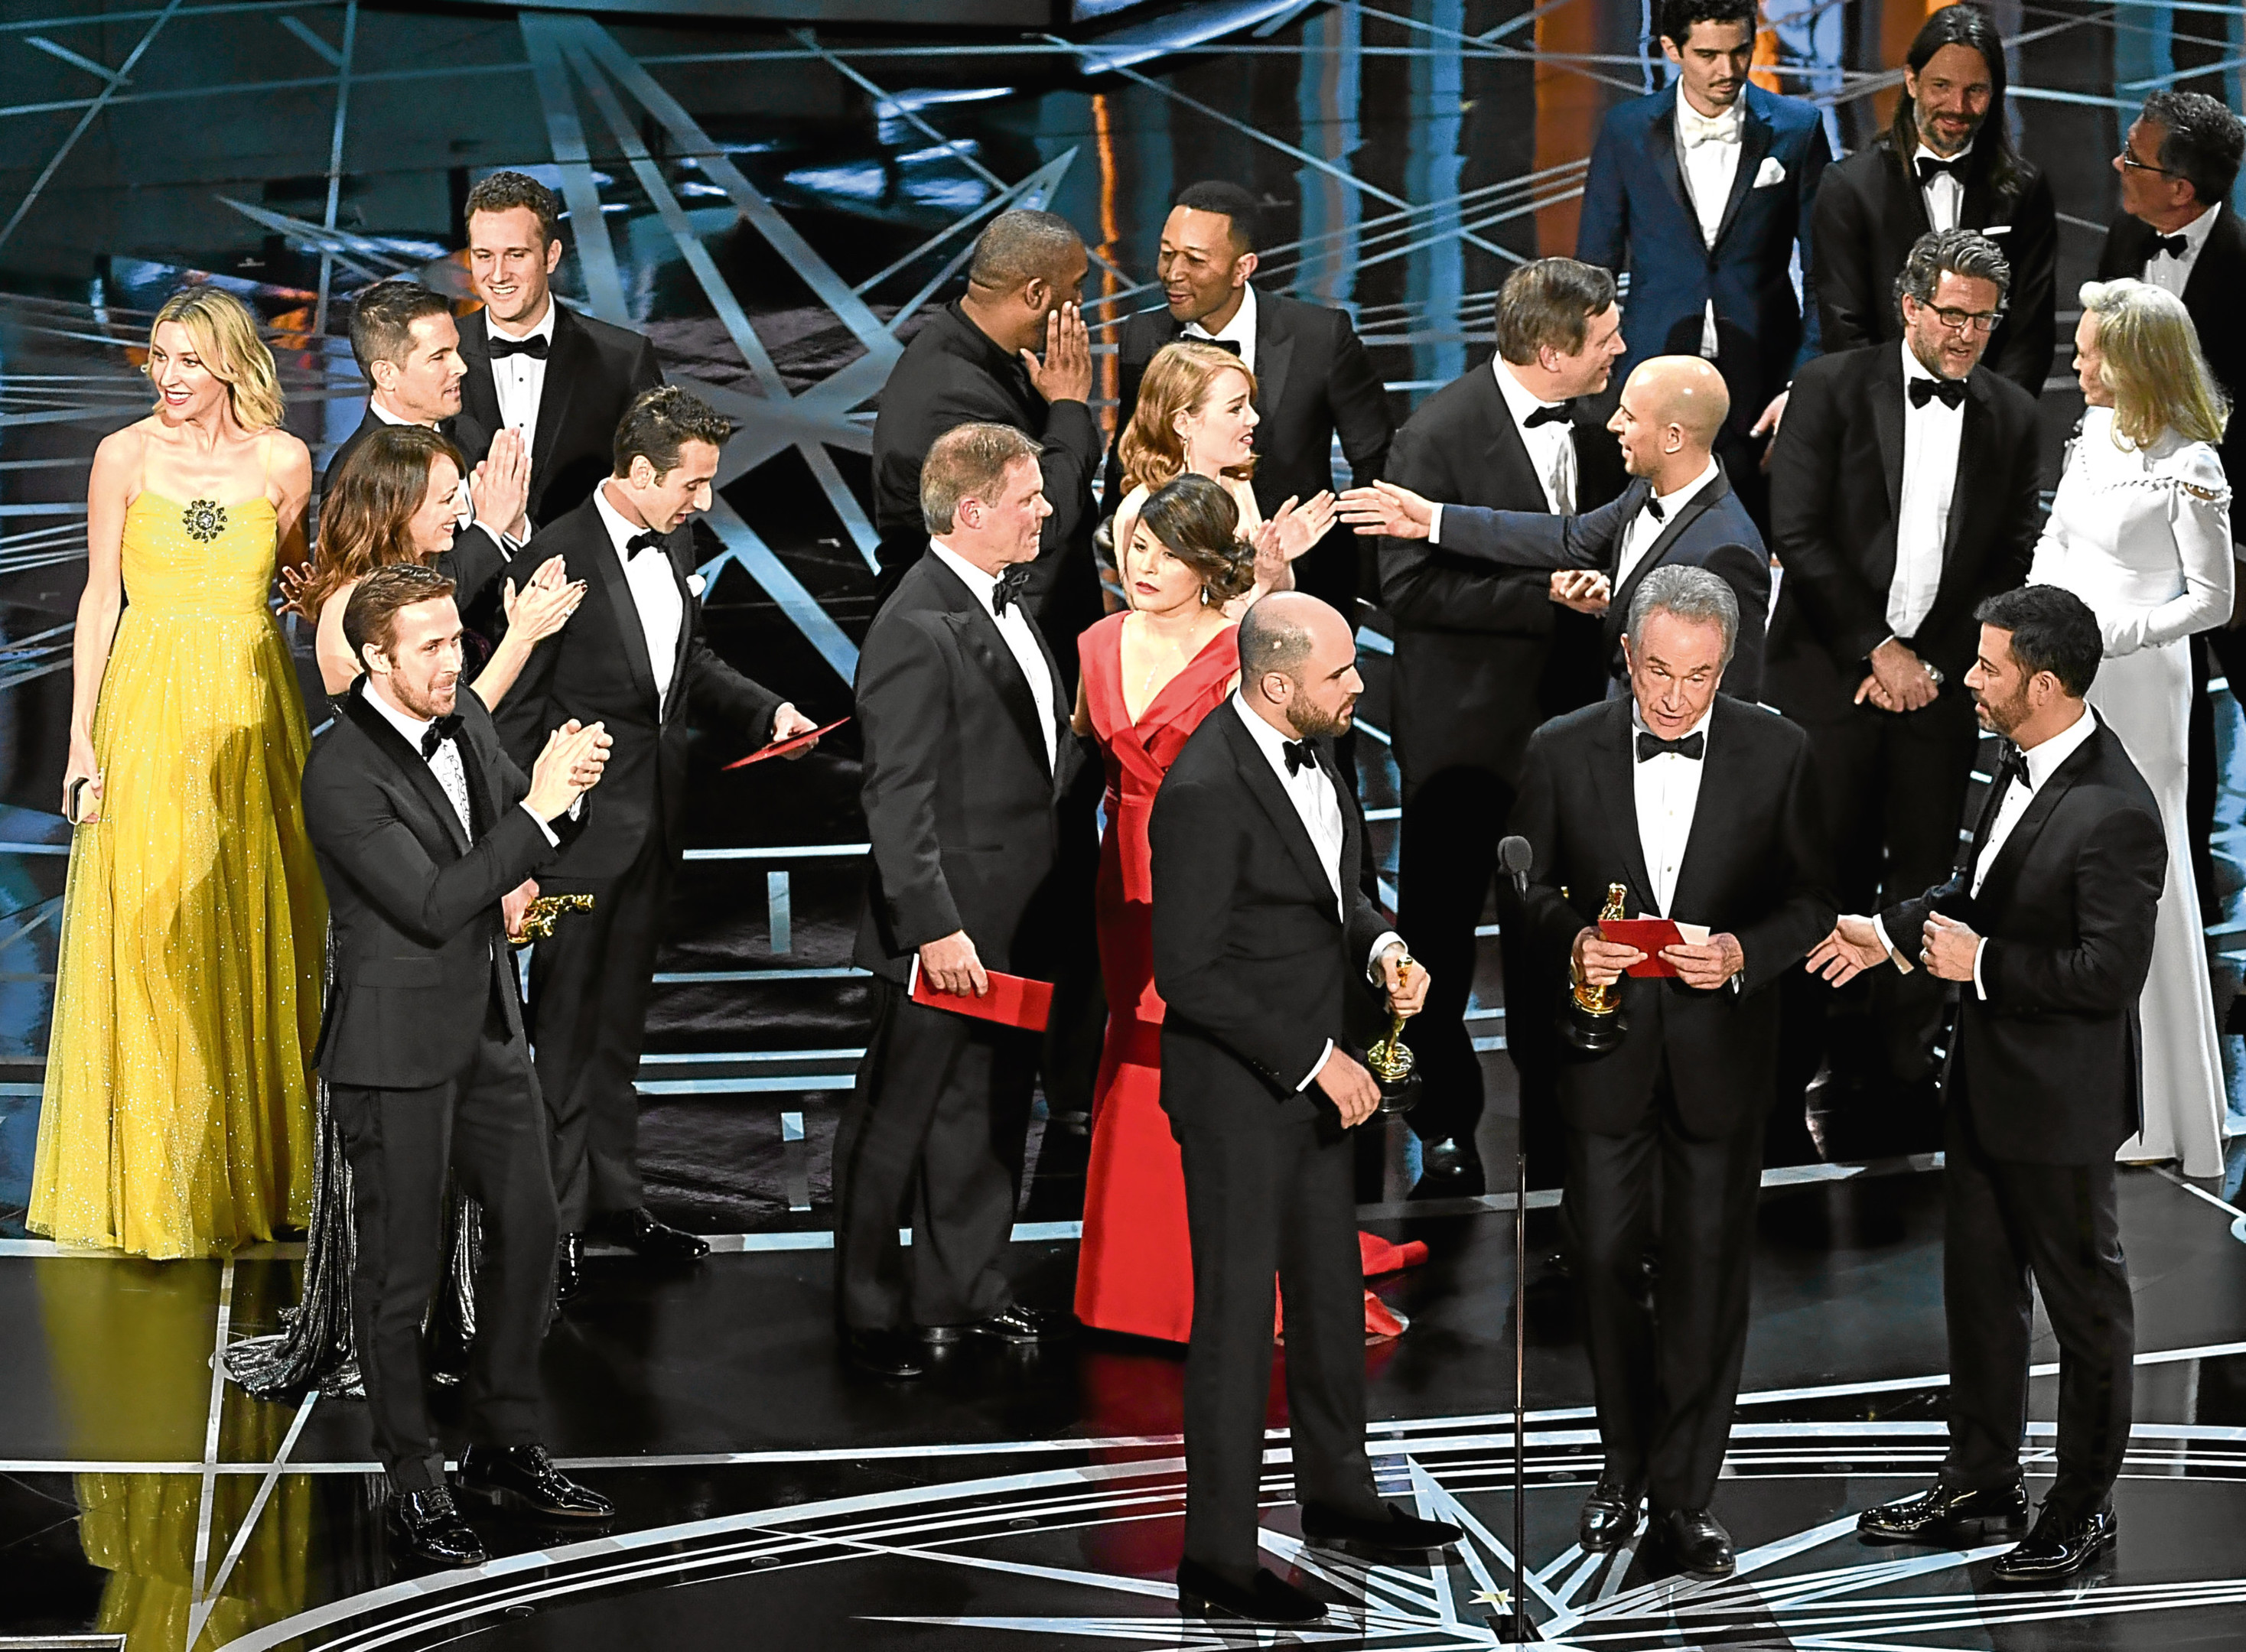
882 1353
430 1523
1389 1534
656 1242
1449 1168
1609 1517
1698 1542
2059 1546
1947 1513
570 1267
1205 1593
1019 1324
524 1479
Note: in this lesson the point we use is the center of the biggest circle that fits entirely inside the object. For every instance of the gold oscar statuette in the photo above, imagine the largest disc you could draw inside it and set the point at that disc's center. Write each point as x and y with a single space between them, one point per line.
547 910
1390 1059
1593 1023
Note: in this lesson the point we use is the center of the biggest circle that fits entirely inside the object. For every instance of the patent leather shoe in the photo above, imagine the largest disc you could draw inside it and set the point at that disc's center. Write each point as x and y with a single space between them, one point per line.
2059 1546
1449 1168
1947 1513
524 1479
883 1354
1609 1517
1023 1325
570 1267
429 1523
656 1242
1205 1593
1698 1542
1391 1534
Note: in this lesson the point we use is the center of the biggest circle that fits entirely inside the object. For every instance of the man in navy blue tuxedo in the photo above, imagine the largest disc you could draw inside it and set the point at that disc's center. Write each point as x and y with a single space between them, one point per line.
1703 191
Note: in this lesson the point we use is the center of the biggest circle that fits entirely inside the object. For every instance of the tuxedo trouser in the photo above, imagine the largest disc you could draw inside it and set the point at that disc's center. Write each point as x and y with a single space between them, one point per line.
1665 1376
587 1013
1076 1028
2005 1224
2229 648
1445 863
1259 1204
932 1138
483 1126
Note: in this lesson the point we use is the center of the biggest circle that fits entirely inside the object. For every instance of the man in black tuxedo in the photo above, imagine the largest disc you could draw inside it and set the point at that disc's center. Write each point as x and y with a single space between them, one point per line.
407 346
559 380
1679 512
427 837
1903 494
1704 809
2044 933
1264 946
968 755
1313 379
977 360
632 658
2177 167
1947 162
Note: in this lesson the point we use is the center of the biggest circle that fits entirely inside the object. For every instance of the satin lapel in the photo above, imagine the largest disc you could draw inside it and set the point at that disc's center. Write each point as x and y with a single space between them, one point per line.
1256 770
411 763
2006 868
1754 146
979 637
1661 150
1887 423
479 390
1657 553
568 360
1972 444
1352 842
1513 476
609 567
1614 780
1723 775
685 613
1274 353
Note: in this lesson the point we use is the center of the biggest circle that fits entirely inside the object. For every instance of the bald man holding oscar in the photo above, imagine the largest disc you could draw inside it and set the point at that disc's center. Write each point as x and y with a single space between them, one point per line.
1678 511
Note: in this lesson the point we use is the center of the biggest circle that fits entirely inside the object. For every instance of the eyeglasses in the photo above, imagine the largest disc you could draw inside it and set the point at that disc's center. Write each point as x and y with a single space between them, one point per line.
2135 165
1983 322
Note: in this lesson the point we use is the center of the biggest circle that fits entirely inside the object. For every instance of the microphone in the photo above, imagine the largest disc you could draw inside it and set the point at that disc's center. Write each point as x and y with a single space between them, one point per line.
1516 856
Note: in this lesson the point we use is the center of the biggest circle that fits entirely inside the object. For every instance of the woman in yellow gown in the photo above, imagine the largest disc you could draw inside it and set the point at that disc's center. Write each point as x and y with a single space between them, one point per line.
176 1119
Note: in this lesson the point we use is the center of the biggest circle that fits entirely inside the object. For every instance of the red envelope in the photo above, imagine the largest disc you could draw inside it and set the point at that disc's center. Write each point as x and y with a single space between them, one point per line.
1649 935
1013 1001
793 742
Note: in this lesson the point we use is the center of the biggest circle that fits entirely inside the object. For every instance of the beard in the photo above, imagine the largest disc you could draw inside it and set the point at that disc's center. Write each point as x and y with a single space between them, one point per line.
2003 715
1312 724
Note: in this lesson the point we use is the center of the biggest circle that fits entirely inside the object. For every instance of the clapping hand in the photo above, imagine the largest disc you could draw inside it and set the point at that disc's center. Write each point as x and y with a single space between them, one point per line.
544 604
500 485
1064 375
569 767
1852 948
296 584
1584 589
1386 508
787 723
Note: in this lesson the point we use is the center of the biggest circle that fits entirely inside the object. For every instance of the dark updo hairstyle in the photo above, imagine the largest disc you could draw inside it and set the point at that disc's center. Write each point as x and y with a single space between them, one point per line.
1198 523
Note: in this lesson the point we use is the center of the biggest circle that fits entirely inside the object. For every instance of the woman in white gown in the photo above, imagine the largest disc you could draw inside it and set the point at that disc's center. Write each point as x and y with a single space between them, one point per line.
2141 531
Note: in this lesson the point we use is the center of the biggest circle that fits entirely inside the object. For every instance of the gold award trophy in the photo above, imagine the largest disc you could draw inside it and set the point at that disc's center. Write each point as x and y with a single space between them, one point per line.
1390 1062
1591 1019
547 910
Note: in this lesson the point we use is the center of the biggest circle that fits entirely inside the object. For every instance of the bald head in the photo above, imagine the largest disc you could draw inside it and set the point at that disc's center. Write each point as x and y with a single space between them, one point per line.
1298 664
1671 410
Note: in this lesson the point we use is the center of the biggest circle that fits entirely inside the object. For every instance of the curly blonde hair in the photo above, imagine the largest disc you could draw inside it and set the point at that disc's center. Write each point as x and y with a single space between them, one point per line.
1177 380
225 336
2153 364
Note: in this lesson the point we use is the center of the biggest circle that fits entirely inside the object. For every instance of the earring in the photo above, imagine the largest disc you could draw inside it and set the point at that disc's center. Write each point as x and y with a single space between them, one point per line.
1205 597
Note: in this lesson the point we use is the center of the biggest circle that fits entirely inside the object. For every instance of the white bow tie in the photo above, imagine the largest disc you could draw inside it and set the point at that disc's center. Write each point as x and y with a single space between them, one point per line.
1694 129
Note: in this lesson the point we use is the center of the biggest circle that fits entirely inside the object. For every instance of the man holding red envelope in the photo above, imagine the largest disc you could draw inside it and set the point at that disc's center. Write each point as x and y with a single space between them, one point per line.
1703 807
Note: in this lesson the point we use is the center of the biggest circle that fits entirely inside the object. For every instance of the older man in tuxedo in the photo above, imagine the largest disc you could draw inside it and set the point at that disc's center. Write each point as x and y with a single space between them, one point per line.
1704 808
2044 934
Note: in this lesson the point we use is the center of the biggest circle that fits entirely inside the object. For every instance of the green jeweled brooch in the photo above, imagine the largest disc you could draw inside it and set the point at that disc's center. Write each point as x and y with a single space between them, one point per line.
205 520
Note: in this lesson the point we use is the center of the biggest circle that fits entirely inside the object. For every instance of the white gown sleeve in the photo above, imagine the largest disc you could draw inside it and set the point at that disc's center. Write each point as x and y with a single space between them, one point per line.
2198 518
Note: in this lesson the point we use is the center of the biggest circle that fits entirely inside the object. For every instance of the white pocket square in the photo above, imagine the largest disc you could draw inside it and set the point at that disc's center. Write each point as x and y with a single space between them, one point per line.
1770 173
695 585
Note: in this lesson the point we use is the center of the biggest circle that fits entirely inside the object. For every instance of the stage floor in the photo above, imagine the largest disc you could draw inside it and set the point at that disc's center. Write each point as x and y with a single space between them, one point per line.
767 1492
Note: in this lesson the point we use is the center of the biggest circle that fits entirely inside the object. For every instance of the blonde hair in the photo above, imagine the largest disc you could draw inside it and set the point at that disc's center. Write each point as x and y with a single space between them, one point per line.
1177 381
225 335
2153 364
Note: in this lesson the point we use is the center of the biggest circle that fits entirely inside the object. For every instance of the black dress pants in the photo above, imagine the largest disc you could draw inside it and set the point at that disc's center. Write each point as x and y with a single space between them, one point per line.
589 984
484 1126
2004 1225
1261 1203
932 1139
1665 1376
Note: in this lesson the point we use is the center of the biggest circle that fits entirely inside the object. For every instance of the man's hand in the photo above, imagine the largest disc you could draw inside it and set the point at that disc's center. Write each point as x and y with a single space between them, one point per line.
952 966
500 487
1869 689
1354 1092
1903 677
1064 375
1386 508
1405 978
569 767
1601 962
1708 965
1852 948
514 903
1949 948
1584 589
1768 424
787 723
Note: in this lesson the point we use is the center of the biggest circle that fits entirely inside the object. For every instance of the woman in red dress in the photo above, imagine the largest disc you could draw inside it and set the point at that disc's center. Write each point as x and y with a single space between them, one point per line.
1149 675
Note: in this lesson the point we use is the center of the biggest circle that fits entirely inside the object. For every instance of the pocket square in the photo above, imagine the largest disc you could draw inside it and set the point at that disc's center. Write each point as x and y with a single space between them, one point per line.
1769 172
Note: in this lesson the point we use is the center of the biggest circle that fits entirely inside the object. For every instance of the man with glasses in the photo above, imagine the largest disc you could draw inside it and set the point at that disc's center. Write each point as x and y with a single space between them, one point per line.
1904 494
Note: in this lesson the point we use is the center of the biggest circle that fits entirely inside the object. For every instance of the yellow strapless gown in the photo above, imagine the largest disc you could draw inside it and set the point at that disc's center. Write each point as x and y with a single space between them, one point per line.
177 1119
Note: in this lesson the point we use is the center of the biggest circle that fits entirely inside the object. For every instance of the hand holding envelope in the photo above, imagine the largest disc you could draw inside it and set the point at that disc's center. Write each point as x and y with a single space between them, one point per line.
1687 951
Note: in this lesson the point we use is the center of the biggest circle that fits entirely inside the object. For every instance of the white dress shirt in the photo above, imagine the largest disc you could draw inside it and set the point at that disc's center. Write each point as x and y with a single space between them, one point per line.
464 502
1021 642
1668 791
660 606
1930 435
1943 194
1318 804
520 379
2169 273
1240 331
1637 539
447 764
1708 146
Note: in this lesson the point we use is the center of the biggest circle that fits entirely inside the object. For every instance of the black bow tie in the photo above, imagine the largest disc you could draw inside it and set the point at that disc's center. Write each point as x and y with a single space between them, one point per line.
437 732
1652 746
1232 344
2174 245
1008 588
1950 392
2013 766
534 348
1555 414
1929 167
639 542
1653 509
1300 756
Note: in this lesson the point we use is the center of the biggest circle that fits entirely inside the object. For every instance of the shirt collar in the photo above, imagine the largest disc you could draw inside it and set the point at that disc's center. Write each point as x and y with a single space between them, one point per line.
412 728
978 583
389 418
622 528
1241 329
1724 128
1638 724
2044 759
1519 400
1671 501
2196 231
544 329
1272 744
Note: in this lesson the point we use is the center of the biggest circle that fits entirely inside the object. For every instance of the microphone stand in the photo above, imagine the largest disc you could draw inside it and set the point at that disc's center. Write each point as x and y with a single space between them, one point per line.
1520 1632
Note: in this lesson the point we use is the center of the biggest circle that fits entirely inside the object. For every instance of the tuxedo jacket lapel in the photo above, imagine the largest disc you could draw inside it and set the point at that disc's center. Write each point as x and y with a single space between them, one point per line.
1972 446
1887 420
1661 150
631 636
1754 146
1275 356
1506 453
671 548
1723 776
411 763
2004 870
981 640
1272 797
479 390
569 361
1613 778
1671 530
